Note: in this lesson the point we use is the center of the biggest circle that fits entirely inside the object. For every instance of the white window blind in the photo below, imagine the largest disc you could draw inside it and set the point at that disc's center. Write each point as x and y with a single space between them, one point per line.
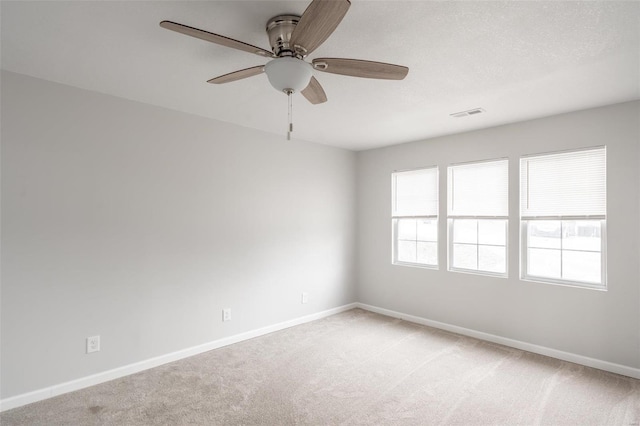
564 184
415 193
479 189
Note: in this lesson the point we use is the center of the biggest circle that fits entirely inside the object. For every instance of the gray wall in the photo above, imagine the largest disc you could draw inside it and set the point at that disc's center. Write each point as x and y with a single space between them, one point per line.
140 224
600 324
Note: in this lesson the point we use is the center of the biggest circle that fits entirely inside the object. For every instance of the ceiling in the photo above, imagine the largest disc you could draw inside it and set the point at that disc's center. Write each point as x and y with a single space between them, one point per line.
516 60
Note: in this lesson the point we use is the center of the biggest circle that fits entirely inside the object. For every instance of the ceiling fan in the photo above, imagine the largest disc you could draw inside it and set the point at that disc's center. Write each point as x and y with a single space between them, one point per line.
292 38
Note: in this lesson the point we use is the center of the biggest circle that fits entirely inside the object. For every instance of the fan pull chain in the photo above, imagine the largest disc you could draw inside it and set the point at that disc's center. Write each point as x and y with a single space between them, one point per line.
290 128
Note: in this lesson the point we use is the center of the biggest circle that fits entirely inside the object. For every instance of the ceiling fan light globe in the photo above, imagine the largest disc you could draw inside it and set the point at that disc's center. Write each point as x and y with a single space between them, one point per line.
288 74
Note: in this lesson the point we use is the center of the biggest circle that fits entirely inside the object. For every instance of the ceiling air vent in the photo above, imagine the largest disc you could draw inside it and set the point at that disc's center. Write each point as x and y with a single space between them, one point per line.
468 112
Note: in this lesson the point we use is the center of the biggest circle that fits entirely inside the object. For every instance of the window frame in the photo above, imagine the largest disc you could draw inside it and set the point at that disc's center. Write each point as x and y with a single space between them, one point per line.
395 218
395 261
524 228
524 253
450 243
451 218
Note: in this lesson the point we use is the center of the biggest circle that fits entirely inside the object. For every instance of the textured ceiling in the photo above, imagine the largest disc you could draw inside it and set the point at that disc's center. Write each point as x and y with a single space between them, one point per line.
517 60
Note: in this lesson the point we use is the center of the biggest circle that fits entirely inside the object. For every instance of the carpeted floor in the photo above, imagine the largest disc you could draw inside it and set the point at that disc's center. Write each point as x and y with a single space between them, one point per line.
354 368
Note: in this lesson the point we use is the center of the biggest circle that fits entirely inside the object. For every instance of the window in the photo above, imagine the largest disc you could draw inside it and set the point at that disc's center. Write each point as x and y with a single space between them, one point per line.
563 217
477 217
415 217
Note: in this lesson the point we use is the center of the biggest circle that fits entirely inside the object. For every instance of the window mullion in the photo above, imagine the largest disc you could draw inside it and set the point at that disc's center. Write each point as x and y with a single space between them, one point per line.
416 259
561 248
477 244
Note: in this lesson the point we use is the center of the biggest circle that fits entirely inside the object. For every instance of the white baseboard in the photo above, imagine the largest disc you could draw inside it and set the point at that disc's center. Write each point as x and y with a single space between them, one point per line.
529 347
105 376
84 382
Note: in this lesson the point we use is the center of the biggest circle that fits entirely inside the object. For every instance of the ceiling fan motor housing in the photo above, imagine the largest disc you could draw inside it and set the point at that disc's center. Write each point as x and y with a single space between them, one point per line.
279 30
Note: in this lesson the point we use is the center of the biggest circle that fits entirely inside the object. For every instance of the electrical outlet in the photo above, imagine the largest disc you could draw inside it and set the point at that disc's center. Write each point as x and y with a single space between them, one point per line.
305 297
226 314
93 344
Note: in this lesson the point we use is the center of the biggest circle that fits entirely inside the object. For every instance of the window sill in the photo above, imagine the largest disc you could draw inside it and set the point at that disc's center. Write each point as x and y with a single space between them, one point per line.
565 283
476 272
416 265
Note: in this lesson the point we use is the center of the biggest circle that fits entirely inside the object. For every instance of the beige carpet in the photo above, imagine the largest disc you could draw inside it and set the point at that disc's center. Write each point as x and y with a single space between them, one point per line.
354 368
